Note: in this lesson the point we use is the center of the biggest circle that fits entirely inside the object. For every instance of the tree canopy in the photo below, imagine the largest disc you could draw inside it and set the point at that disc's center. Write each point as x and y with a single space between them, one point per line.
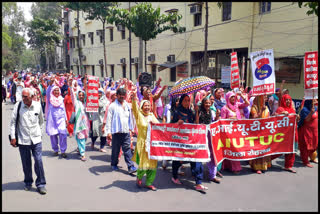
145 21
313 7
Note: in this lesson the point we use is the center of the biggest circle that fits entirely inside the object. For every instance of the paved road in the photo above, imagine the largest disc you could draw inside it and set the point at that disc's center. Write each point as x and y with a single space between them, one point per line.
74 185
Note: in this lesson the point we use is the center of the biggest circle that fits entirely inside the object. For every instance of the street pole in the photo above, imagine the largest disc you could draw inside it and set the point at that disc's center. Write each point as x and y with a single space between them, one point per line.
79 43
205 62
145 56
104 48
130 69
140 55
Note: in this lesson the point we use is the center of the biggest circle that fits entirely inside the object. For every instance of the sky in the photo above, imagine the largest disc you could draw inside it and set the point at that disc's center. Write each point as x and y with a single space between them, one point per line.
26 8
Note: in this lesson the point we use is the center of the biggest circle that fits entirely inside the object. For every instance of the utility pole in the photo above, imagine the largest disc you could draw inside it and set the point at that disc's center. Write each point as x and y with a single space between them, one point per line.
145 56
140 55
130 69
79 43
205 62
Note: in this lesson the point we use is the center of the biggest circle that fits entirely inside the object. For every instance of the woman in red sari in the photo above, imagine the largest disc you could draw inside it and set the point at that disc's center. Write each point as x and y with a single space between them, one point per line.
69 109
308 132
286 108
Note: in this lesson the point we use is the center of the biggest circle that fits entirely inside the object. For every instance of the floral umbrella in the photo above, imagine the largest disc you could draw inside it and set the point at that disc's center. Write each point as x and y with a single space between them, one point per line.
191 85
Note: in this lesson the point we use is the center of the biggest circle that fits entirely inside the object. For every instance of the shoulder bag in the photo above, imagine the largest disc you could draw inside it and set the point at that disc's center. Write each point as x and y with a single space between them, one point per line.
17 121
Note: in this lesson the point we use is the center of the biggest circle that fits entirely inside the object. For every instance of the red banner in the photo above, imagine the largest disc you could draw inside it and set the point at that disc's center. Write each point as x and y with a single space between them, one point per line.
311 70
170 141
92 94
252 138
235 76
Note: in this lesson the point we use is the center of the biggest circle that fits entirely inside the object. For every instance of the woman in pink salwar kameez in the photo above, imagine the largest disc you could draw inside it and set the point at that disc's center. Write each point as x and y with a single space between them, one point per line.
232 111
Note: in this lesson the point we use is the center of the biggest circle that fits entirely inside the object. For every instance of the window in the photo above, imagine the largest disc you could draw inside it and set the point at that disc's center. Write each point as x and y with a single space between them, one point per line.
71 43
226 11
84 39
101 37
137 70
124 73
197 19
101 70
71 67
91 37
77 42
173 76
111 34
123 34
154 72
265 7
93 72
288 69
78 69
112 71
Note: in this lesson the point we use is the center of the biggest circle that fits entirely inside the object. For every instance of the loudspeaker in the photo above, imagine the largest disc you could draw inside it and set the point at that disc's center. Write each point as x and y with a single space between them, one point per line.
145 79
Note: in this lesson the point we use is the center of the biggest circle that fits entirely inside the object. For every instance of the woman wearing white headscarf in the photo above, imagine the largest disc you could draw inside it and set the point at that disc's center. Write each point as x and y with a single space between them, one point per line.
97 121
56 120
143 117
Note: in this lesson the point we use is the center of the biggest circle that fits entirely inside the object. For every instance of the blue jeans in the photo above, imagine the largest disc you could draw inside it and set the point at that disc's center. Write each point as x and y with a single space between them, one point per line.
121 140
103 141
196 170
25 154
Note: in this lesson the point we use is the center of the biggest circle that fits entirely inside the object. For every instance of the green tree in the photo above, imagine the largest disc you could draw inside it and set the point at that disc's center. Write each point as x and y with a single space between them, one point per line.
44 35
145 22
313 7
13 24
46 11
28 59
99 11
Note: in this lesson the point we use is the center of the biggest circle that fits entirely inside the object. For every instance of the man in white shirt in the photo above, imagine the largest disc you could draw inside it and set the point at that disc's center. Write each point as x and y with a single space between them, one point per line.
118 125
20 86
29 134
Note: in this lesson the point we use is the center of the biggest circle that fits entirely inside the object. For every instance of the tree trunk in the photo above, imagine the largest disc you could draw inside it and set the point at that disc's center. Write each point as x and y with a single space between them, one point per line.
205 62
145 56
47 58
79 44
104 47
140 55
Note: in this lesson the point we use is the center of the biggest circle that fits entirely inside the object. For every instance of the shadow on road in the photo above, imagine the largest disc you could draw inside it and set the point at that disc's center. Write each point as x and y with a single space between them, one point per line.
129 186
104 157
13 186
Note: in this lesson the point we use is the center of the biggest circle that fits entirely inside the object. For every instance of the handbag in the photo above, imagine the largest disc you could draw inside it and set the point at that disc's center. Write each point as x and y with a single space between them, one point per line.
17 121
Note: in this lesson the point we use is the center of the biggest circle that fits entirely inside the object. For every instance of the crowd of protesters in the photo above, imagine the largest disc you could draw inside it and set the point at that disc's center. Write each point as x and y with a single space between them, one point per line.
126 109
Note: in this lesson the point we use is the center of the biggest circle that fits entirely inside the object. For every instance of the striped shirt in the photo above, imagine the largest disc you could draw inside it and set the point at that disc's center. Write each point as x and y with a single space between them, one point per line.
119 118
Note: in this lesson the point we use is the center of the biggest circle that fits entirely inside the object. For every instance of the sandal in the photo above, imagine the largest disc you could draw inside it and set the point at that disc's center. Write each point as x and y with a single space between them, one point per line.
314 161
153 188
83 158
219 174
139 183
309 165
181 173
102 150
258 172
176 181
215 180
290 170
200 187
